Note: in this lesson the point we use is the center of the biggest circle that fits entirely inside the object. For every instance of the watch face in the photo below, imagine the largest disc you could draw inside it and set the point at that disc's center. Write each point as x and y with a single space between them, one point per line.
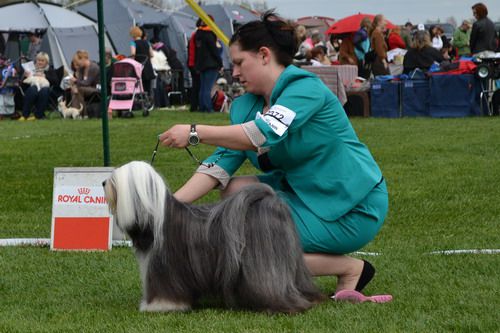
194 139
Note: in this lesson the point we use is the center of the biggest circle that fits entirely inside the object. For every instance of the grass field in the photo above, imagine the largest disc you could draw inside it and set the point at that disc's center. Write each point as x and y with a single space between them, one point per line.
443 177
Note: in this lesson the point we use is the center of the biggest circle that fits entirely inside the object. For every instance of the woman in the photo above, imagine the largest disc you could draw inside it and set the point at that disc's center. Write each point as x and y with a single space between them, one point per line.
482 36
394 39
85 80
347 56
362 47
38 98
293 128
377 39
422 55
318 57
436 33
208 62
141 51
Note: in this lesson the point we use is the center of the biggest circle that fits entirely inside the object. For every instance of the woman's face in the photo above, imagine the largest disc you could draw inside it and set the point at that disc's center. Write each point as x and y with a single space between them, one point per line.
41 63
248 67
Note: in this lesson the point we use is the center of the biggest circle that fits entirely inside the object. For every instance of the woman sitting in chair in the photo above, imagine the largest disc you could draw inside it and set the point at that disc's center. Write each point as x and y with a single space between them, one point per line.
37 94
85 79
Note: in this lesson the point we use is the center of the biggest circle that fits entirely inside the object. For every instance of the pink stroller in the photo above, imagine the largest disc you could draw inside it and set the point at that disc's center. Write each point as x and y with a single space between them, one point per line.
126 86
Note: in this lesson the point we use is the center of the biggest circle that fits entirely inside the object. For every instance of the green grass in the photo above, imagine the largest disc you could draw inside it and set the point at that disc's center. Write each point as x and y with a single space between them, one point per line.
443 176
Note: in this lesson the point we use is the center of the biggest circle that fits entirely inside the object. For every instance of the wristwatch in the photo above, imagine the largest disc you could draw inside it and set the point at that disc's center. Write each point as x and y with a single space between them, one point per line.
193 139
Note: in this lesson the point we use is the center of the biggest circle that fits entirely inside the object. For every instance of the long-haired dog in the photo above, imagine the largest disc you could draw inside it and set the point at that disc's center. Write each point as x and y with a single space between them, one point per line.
243 249
69 112
38 81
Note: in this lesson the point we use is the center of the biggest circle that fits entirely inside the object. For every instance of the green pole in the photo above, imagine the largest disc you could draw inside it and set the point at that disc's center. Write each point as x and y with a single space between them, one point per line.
104 84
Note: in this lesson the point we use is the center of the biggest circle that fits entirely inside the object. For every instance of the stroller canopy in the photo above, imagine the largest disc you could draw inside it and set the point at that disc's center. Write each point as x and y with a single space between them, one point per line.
127 68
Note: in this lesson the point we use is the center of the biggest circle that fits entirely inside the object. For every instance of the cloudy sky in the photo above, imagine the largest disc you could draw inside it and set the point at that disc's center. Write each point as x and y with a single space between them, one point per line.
397 11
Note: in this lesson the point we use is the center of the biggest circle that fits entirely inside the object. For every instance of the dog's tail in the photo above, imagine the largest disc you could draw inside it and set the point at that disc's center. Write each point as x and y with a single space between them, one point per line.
81 108
262 258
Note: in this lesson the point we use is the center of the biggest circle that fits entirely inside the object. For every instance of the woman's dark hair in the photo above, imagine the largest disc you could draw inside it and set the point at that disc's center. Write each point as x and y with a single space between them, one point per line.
271 32
481 10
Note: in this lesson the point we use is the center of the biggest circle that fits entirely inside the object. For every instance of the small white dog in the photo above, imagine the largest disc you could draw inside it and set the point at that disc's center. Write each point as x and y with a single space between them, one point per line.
38 81
70 112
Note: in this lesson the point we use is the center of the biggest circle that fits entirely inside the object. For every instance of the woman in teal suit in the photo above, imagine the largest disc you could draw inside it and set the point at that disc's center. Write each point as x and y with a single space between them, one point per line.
292 127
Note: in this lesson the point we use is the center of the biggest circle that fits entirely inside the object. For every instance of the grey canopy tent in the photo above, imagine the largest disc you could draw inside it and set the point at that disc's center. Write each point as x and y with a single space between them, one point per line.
171 28
64 31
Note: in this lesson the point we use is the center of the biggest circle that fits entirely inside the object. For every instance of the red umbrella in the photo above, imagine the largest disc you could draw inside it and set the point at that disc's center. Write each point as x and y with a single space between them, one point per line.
351 23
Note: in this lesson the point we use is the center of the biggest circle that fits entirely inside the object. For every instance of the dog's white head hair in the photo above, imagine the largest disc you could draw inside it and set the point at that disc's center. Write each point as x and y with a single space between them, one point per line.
136 195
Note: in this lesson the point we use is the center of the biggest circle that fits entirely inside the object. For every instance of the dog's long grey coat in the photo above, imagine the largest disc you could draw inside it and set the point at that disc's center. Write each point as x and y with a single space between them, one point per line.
244 249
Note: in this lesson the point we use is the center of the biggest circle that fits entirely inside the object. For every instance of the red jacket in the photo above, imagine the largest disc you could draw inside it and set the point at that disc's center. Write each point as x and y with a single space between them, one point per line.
192 51
395 41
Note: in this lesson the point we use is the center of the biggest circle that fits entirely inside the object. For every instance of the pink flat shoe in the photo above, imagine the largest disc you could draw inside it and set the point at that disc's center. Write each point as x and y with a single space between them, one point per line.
354 296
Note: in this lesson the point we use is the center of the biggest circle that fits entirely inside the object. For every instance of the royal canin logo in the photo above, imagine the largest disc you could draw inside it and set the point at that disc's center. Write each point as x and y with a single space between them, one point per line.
83 190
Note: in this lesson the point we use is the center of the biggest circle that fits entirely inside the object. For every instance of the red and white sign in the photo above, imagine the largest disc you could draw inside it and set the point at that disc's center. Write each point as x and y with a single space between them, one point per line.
80 213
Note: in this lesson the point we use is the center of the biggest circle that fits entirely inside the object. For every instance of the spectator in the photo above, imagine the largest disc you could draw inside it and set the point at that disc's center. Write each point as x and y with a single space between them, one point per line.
362 46
305 44
461 39
377 40
109 61
394 39
317 39
141 51
208 63
422 55
195 75
38 98
34 46
407 34
435 32
346 52
482 36
318 57
332 48
85 80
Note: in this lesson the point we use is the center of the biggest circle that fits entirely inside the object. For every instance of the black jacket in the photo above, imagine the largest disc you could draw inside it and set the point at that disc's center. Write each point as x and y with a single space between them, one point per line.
207 53
482 36
422 59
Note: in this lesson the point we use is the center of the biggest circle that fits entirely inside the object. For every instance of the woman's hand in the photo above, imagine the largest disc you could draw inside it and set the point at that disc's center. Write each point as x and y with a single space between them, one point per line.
176 136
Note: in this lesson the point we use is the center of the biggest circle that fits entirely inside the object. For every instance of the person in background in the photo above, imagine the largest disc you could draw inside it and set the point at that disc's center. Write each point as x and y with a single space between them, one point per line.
461 39
362 46
38 98
482 36
422 55
208 63
318 57
85 80
195 75
407 34
394 39
435 33
346 52
293 129
141 51
34 45
377 40
109 61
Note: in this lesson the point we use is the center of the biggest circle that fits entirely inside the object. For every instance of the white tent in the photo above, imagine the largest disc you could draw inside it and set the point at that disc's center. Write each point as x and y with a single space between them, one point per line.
64 31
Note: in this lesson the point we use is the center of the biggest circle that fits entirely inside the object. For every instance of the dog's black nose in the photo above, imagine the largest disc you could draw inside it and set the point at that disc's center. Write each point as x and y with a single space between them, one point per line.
103 183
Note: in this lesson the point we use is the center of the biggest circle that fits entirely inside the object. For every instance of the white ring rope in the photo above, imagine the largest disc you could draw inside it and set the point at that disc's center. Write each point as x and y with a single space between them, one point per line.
41 242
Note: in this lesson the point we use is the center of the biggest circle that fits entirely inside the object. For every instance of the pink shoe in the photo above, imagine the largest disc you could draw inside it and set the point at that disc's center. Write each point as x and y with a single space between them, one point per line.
354 296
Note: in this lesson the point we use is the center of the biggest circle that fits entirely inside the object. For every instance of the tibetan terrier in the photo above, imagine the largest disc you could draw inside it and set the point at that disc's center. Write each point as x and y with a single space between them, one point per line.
244 249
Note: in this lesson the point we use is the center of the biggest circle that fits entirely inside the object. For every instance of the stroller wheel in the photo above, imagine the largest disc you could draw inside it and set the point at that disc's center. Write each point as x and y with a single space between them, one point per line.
145 113
127 114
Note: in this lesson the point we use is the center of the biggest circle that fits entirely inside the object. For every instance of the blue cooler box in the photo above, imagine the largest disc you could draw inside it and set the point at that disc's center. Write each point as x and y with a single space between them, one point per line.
454 96
415 97
384 97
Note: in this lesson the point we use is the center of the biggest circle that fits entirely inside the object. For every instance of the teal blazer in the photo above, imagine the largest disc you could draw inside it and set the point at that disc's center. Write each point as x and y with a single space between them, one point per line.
310 143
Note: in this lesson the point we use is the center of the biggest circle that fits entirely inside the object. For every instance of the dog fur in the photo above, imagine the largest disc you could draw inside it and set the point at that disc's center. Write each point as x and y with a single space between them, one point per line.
244 249
69 112
38 81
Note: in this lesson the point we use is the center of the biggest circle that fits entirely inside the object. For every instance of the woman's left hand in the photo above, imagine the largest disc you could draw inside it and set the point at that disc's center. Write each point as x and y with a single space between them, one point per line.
176 136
